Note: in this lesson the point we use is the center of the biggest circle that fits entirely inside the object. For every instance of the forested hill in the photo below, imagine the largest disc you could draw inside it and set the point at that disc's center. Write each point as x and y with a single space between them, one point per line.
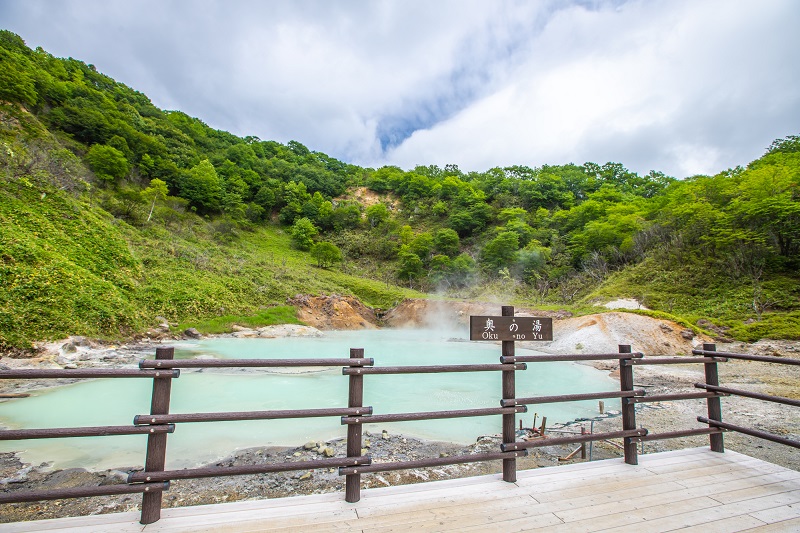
115 212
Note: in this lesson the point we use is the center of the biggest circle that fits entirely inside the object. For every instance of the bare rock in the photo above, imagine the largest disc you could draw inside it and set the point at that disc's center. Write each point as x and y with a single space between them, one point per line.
193 333
327 451
69 347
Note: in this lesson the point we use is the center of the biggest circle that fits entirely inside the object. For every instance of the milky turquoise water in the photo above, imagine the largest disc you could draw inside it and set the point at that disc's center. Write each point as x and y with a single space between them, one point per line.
117 401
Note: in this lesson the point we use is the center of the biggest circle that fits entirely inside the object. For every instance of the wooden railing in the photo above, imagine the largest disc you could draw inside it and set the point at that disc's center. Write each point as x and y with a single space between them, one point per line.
159 423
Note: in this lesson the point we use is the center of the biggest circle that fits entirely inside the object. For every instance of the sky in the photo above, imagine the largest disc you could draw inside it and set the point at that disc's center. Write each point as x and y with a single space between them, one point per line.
683 87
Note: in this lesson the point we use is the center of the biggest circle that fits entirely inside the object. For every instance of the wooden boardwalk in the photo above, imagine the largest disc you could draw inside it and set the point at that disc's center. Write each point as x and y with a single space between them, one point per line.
685 490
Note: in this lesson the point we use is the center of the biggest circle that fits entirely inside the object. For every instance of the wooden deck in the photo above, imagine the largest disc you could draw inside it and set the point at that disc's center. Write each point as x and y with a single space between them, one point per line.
686 490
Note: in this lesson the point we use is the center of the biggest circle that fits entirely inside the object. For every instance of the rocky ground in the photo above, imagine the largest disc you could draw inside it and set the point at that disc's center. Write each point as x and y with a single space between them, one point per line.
593 334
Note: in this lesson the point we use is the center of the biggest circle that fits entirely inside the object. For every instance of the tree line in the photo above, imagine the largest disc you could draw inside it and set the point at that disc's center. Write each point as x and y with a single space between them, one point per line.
548 228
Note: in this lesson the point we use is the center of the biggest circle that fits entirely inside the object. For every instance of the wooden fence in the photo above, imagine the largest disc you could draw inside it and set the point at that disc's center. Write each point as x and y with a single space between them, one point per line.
159 423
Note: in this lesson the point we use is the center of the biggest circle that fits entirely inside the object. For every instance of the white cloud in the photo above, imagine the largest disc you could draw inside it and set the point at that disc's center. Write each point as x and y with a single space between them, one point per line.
680 86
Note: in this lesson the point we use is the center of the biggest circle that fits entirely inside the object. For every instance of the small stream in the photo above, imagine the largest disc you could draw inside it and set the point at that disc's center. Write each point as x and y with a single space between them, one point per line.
117 401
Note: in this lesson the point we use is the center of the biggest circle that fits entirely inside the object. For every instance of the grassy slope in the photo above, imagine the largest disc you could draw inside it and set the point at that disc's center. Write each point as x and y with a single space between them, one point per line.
62 267
198 277
68 268
694 291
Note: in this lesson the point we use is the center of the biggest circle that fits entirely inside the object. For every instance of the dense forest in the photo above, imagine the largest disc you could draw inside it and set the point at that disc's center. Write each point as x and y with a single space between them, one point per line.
114 211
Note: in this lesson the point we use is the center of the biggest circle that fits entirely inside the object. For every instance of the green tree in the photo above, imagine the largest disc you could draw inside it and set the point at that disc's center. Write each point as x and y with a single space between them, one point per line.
377 214
156 191
294 195
108 163
446 242
462 271
500 252
410 266
326 253
202 187
346 215
422 245
303 232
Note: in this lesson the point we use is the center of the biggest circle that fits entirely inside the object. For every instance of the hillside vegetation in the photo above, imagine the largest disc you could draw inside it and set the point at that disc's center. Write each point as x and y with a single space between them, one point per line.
115 212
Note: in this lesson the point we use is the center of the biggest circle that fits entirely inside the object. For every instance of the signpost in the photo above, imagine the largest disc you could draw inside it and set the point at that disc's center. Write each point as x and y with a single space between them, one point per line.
510 328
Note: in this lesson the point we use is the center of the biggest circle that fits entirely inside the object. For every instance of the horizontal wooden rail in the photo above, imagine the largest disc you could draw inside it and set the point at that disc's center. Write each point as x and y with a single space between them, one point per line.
248 415
433 415
677 434
98 431
675 360
436 369
752 432
78 373
568 357
80 492
251 363
748 394
748 357
423 463
243 470
571 397
673 397
589 437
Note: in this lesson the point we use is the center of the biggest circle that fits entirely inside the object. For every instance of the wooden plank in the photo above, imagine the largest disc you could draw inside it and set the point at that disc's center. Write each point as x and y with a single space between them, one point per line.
715 492
77 523
726 525
733 473
462 515
778 527
472 495
779 514
636 518
255 520
716 513
690 488
756 490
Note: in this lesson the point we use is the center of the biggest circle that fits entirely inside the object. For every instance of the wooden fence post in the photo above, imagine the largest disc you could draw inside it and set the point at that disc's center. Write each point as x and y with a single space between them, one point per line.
628 407
157 443
352 491
509 393
714 404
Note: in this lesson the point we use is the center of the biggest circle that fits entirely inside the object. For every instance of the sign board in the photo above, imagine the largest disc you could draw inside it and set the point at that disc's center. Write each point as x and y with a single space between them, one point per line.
510 328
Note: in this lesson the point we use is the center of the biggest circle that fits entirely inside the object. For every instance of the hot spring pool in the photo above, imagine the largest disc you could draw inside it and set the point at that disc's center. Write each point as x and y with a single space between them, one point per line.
117 401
